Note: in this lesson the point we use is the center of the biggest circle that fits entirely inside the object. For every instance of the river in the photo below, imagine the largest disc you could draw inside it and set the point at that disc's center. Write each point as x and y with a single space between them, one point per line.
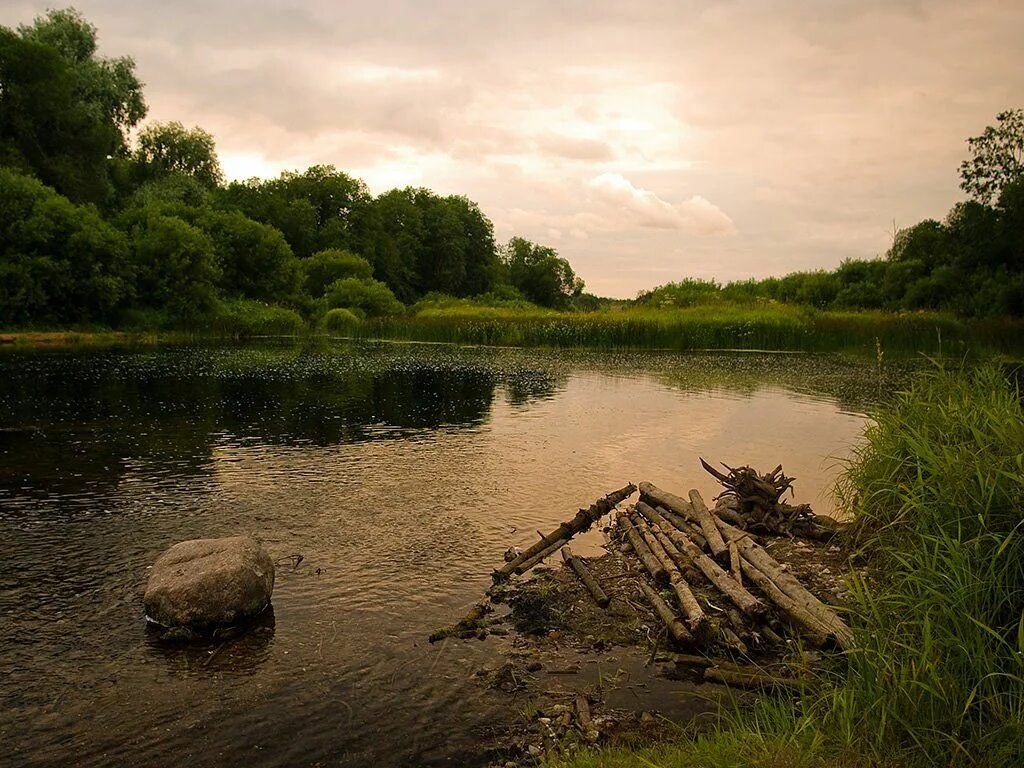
400 473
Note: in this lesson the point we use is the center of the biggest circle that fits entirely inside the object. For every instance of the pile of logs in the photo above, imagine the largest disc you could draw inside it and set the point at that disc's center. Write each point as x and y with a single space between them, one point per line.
703 571
681 543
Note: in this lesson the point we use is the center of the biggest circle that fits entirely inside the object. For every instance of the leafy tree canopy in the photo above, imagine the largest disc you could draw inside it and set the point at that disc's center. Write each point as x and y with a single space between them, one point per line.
540 274
323 268
997 157
65 111
172 149
59 262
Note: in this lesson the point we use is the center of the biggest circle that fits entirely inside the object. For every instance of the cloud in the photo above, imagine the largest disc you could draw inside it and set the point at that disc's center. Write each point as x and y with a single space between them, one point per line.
576 147
696 215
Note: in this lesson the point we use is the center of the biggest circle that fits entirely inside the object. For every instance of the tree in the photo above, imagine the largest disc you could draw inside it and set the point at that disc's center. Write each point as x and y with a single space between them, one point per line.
59 262
254 259
176 265
172 149
540 274
997 157
64 111
398 241
317 209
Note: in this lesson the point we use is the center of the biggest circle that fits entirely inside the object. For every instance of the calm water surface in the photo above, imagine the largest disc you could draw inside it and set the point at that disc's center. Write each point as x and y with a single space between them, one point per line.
400 474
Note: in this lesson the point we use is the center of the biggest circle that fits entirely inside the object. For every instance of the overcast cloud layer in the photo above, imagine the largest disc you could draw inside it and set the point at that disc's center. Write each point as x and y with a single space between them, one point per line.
646 141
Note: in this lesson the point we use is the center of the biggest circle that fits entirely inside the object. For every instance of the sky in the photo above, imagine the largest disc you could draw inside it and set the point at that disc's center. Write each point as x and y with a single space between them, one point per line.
645 141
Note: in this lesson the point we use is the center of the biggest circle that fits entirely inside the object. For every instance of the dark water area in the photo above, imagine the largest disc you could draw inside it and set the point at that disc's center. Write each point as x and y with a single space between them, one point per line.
399 473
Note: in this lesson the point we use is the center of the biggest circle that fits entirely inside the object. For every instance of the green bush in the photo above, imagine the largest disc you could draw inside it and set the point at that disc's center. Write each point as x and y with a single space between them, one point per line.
176 265
255 260
341 319
371 296
326 267
243 317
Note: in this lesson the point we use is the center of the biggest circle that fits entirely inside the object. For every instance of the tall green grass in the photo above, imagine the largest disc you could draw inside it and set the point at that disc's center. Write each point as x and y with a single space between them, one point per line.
937 675
712 326
938 494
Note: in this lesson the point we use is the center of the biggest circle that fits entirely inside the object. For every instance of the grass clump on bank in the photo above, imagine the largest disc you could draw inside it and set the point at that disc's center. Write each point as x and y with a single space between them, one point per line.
937 678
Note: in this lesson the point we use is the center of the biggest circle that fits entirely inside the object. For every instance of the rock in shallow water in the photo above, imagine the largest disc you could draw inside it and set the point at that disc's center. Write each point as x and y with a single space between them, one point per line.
207 583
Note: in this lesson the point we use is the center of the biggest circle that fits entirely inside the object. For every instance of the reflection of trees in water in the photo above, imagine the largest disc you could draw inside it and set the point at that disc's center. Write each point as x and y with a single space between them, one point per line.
76 420
854 383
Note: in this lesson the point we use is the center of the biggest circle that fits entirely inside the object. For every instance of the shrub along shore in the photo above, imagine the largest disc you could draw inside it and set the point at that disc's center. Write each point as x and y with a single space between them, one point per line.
936 675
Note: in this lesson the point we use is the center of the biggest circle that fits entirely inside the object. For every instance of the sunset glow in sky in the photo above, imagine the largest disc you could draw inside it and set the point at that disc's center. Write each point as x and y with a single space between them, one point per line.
646 141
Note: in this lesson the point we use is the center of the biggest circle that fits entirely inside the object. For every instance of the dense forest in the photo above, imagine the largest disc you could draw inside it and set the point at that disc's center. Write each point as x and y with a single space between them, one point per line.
98 227
109 222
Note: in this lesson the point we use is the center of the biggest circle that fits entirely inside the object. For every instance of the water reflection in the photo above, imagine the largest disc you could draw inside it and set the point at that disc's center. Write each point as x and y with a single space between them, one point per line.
75 420
237 651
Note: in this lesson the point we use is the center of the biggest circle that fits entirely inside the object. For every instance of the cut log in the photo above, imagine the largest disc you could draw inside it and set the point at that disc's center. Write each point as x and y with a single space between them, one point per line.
691 574
730 639
470 625
652 542
743 600
527 564
581 522
734 563
676 628
804 621
707 525
656 497
691 660
584 574
788 584
752 679
684 525
677 568
640 548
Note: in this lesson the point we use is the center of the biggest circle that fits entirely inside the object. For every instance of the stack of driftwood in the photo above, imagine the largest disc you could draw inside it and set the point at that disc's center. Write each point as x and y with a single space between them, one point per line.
683 545
704 571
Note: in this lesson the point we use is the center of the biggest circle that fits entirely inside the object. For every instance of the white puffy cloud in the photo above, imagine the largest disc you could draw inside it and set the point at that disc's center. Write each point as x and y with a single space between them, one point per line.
696 214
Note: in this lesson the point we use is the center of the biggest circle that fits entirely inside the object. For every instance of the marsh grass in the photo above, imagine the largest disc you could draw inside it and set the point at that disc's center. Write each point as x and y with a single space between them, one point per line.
711 326
937 677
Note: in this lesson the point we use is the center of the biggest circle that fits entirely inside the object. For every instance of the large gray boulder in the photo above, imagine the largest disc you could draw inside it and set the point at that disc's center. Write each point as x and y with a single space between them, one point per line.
207 583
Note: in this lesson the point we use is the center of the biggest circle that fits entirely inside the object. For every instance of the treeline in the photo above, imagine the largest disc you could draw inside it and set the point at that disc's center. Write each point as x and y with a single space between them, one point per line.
970 264
95 227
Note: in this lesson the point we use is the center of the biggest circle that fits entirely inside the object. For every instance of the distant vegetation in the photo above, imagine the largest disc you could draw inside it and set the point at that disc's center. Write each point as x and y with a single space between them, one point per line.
99 230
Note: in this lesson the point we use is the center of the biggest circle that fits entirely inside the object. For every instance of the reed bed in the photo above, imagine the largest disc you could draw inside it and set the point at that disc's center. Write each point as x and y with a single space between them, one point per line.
714 326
